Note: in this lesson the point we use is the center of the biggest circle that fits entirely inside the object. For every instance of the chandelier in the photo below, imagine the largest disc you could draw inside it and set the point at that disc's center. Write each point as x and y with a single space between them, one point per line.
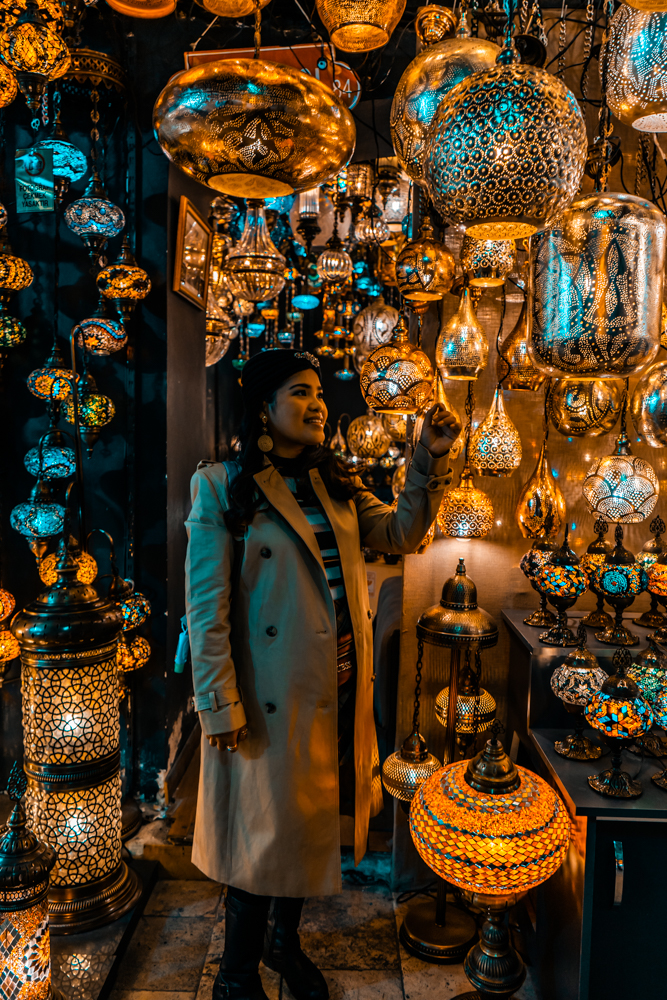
254 267
397 377
424 269
462 350
360 25
495 448
596 279
636 68
253 129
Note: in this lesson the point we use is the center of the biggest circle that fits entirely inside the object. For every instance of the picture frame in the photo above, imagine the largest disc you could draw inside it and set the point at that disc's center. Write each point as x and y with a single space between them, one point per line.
194 240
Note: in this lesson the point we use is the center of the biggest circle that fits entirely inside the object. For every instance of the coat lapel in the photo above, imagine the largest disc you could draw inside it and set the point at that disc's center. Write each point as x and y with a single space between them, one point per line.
272 485
348 559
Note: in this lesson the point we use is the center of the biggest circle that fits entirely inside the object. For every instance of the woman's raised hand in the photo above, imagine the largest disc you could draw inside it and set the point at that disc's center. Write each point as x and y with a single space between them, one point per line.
439 430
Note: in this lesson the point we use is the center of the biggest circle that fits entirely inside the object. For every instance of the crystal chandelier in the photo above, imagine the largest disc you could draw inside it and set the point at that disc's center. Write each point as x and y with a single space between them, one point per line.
495 449
254 267
397 377
424 269
462 350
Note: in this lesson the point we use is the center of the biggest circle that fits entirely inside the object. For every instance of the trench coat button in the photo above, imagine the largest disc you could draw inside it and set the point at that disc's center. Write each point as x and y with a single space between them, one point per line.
272 630
270 707
265 553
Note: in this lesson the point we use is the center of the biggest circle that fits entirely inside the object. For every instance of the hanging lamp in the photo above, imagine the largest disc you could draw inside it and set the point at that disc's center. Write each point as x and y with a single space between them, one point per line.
462 350
254 268
424 268
584 409
636 68
513 365
95 410
151 9
425 85
648 406
487 262
540 511
123 282
334 264
52 382
372 327
12 330
34 52
99 334
367 437
621 487
360 25
465 511
93 218
476 165
495 448
397 377
15 273
8 86
69 163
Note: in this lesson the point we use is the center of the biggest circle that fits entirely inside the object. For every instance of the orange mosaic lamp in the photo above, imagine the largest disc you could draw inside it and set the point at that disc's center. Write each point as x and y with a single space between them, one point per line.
86 572
494 830
25 865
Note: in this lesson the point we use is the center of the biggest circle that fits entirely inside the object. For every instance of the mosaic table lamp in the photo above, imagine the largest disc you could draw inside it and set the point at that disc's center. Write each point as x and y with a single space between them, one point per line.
575 682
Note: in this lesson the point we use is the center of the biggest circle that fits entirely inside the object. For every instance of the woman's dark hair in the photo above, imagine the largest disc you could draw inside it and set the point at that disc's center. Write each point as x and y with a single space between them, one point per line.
244 496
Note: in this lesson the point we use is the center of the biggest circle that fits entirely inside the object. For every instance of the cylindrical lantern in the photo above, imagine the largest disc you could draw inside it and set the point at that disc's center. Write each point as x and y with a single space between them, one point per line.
596 288
25 863
636 68
69 677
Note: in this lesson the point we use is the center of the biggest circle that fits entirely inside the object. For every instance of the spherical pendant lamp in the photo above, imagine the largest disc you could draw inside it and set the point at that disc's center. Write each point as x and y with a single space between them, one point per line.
584 409
495 448
95 410
15 273
254 268
575 681
34 52
8 86
397 377
86 571
424 269
52 459
231 8
596 280
513 365
465 511
372 327
540 511
636 68
487 262
100 334
562 579
649 406
146 9
69 163
53 381
93 218
132 654
12 330
123 282
38 517
334 263
506 152
621 487
462 350
367 437
360 25
424 86
253 129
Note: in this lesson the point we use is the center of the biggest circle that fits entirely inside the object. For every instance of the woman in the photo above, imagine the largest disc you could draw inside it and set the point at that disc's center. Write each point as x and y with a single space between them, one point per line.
281 641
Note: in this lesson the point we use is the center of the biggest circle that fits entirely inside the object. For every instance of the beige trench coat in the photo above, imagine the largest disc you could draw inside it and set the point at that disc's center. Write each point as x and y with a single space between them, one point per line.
267 816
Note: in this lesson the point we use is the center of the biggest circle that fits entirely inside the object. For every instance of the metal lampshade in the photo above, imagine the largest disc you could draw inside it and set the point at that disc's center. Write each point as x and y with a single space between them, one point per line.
584 409
540 511
513 365
360 25
465 511
397 377
636 68
495 448
462 350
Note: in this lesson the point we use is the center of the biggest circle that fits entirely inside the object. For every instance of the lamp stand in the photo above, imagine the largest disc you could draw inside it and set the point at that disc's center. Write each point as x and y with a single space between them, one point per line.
560 634
577 746
614 782
598 618
651 618
436 932
617 634
542 617
493 966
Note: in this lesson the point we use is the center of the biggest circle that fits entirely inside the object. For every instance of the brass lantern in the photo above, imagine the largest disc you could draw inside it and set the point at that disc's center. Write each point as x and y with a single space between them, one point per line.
367 437
596 281
621 487
506 152
495 448
254 268
487 262
513 365
397 377
69 680
424 269
465 511
425 84
372 327
462 350
253 129
360 25
578 409
636 68
540 512
34 52
649 406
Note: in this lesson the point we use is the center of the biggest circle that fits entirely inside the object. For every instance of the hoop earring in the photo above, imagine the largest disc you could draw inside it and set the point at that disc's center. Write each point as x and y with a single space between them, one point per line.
264 441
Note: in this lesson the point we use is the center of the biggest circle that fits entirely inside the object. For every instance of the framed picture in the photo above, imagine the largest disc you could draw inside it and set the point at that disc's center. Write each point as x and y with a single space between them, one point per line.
193 254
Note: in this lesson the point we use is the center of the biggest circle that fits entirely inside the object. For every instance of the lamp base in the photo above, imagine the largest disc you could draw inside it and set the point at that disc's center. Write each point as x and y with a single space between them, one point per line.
446 944
131 818
77 908
559 635
660 635
540 619
616 784
660 779
598 619
617 635
578 747
650 619
493 965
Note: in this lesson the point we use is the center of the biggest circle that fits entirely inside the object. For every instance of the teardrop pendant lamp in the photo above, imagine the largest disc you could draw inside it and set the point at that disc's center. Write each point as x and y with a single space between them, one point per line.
540 512
495 449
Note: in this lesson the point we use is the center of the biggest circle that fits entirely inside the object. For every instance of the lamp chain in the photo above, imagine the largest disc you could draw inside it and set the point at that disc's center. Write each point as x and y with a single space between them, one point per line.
469 410
258 28
588 45
605 126
418 683
499 337
547 398
94 132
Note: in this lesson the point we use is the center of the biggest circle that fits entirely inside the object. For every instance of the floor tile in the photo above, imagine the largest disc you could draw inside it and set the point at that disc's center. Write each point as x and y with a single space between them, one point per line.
181 898
354 930
217 942
345 984
209 972
149 995
166 953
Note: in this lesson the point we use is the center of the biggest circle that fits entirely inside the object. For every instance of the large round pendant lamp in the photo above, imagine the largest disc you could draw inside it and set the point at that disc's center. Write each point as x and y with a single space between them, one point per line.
506 152
636 69
424 85
144 9
596 279
253 129
584 409
397 377
649 406
360 25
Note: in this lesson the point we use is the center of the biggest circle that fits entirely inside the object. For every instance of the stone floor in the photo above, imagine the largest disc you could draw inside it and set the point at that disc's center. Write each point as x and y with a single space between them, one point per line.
353 938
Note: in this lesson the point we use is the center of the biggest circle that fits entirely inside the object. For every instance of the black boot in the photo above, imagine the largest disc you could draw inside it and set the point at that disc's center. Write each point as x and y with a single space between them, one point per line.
283 954
245 928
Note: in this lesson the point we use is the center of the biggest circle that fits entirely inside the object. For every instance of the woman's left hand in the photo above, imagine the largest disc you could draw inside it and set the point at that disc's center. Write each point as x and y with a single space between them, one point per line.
439 430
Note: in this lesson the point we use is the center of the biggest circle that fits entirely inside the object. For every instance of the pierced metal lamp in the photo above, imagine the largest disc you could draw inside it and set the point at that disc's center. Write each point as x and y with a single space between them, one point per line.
575 682
619 712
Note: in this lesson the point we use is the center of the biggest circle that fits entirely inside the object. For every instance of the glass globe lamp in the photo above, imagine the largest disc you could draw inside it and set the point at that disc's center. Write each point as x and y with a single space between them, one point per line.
86 568
540 511
93 218
575 681
55 461
650 552
151 9
34 52
424 268
99 334
595 555
210 124
621 715
15 273
133 654
620 579
367 437
8 86
95 411
254 268
648 406
12 330
397 377
217 346
462 350
497 191
657 587
9 647
621 487
649 671
360 25
371 230
334 263
39 517
135 610
562 579
530 565
123 282
606 248
54 380
425 84
487 262
495 448
69 163
513 364
636 71
494 830
585 408
465 511
474 713
7 603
